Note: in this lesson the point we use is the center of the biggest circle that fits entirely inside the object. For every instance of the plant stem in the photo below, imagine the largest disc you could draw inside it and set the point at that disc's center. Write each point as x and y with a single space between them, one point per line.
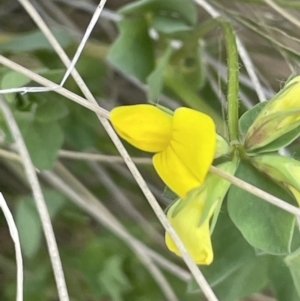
233 81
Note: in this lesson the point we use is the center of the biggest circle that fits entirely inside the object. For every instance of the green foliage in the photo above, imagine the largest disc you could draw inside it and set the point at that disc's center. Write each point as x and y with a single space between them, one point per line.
264 226
28 220
293 263
34 40
155 79
168 25
247 281
281 280
50 111
231 252
233 273
113 279
126 55
249 116
43 140
173 9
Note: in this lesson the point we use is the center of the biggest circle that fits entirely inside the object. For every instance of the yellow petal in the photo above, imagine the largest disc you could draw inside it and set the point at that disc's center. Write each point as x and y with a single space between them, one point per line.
174 172
196 239
144 126
184 164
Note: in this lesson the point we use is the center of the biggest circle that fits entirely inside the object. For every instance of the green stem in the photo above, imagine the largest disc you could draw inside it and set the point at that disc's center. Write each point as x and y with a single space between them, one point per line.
233 81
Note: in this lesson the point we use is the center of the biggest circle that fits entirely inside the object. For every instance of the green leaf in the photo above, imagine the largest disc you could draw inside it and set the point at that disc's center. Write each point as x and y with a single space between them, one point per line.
29 227
248 117
247 280
97 259
263 225
132 52
187 65
28 221
155 79
13 79
190 97
184 9
281 280
169 25
54 201
293 263
35 40
50 110
43 141
113 279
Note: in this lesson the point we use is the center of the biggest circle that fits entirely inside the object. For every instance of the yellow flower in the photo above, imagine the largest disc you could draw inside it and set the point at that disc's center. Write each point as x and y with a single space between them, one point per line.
190 217
184 143
186 223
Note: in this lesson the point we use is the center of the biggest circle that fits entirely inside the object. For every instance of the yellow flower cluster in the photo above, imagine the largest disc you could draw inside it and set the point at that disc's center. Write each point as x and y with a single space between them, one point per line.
184 145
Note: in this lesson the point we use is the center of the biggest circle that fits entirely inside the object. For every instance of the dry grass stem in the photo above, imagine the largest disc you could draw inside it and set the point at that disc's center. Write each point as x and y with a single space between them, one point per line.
15 237
123 202
87 33
283 12
40 202
99 157
256 191
47 83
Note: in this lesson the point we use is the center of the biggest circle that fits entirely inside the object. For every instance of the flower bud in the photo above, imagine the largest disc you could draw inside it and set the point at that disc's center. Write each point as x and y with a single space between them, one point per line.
278 117
284 170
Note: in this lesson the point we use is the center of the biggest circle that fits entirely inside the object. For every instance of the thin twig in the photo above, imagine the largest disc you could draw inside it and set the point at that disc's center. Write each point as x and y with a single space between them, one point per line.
234 180
58 49
47 83
87 33
15 237
60 15
10 155
40 202
99 157
283 12
256 191
123 201
158 276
